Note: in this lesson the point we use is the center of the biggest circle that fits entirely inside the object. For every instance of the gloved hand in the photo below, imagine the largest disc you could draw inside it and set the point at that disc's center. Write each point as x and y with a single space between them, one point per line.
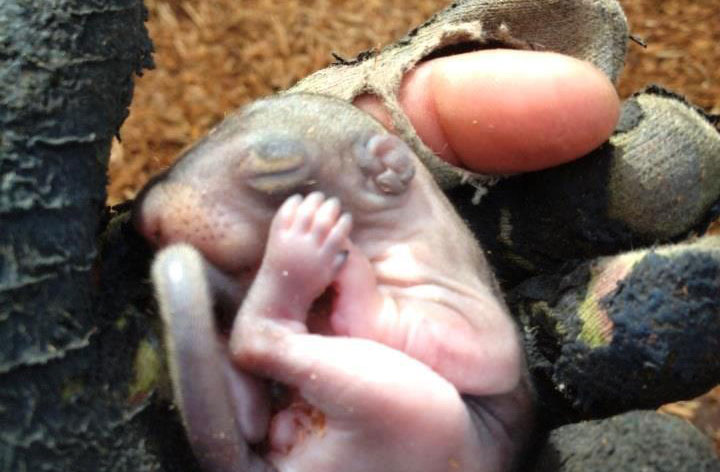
607 261
612 265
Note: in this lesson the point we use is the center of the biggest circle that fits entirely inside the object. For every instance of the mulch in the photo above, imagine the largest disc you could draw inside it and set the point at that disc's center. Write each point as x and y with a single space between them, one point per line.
215 55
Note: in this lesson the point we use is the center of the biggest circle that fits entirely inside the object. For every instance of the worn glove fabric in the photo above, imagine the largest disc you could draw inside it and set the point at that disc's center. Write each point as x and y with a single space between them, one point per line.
603 259
592 30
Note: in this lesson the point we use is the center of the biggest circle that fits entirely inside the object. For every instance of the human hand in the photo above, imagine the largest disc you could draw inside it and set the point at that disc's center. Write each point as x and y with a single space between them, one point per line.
506 111
651 184
558 236
654 182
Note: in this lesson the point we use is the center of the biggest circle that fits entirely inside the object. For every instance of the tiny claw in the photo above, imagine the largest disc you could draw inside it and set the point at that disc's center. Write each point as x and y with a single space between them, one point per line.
340 259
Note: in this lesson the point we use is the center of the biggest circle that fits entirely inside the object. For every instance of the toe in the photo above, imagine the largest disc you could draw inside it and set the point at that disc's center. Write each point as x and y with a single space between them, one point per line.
325 218
307 210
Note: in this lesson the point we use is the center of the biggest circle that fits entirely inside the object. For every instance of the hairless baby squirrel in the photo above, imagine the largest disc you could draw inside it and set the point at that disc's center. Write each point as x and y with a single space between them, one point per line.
413 365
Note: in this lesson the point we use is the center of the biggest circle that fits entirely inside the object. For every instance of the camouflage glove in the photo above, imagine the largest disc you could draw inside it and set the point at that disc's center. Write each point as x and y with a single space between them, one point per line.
630 328
607 261
612 265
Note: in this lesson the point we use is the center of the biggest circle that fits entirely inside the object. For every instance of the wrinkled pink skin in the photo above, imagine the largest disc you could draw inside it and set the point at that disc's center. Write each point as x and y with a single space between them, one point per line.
418 366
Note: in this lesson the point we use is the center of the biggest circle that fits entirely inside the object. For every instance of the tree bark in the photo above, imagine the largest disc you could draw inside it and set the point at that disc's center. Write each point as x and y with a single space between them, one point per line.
76 354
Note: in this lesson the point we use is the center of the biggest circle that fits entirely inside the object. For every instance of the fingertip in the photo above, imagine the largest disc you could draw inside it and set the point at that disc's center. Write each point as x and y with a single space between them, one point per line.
289 205
346 221
341 230
287 210
505 111
501 111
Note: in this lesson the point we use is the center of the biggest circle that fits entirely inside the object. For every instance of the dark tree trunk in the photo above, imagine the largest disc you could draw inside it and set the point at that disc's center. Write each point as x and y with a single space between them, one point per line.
77 357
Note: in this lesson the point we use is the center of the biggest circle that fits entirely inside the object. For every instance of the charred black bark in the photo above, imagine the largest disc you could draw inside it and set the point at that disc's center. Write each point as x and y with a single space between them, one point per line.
73 362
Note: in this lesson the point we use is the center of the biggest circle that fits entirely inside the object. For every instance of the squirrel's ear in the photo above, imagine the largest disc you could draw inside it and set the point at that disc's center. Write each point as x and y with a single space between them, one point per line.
387 160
